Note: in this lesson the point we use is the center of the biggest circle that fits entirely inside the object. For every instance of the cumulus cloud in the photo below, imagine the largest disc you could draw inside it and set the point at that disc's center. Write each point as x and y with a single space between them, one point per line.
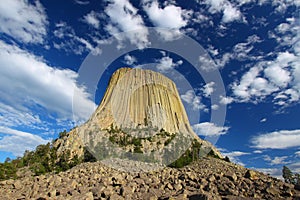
252 86
169 17
208 89
230 11
166 63
27 81
209 129
193 100
214 107
297 153
277 77
264 80
124 17
226 100
18 141
129 60
92 19
24 21
272 74
282 139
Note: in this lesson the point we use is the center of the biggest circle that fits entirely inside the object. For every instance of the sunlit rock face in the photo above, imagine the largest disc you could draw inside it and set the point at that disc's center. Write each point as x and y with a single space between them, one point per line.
139 104
136 97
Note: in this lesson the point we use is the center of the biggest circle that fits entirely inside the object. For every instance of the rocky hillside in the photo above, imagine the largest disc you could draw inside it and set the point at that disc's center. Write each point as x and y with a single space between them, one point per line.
141 118
208 178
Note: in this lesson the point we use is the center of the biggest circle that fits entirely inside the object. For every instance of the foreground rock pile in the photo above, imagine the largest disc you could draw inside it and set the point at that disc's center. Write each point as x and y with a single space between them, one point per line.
208 178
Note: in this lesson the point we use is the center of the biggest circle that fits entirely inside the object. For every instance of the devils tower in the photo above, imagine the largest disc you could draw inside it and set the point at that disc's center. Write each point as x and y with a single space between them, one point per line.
140 113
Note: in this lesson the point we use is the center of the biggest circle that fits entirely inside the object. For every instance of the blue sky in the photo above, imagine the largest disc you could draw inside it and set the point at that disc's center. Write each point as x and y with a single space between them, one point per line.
253 44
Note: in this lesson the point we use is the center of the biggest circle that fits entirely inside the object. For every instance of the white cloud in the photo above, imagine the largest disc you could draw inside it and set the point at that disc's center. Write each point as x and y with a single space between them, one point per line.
129 60
236 153
234 156
297 153
226 100
272 73
224 59
258 151
230 11
166 63
124 18
275 172
295 167
208 89
209 129
277 140
214 107
20 116
23 21
241 51
207 64
170 16
70 42
92 19
193 100
80 2
230 14
18 141
264 80
27 81
263 120
253 87
277 160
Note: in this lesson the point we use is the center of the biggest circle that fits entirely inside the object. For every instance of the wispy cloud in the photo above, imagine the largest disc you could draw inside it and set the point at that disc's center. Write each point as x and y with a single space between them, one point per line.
68 41
229 10
92 19
234 156
37 83
282 139
166 63
209 129
193 100
277 160
124 17
24 21
18 141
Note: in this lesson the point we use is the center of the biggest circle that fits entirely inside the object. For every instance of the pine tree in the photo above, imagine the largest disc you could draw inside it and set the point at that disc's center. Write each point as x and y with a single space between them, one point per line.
288 175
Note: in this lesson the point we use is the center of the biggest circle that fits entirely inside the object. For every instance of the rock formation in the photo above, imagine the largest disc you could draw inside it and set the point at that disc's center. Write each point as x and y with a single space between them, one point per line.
141 112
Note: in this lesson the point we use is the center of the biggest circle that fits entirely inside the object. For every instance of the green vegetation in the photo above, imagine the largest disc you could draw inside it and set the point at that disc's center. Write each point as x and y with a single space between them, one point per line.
45 157
190 155
43 160
194 153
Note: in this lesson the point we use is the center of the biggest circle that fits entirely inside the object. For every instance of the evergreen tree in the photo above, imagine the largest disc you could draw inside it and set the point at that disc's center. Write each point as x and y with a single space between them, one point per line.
288 175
